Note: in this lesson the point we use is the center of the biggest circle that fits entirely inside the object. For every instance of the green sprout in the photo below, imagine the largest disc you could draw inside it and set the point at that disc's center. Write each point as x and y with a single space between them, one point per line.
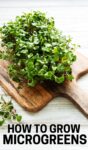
37 50
7 111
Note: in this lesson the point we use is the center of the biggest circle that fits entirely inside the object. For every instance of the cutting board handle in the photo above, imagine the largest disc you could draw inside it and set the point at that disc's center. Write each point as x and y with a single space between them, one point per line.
76 94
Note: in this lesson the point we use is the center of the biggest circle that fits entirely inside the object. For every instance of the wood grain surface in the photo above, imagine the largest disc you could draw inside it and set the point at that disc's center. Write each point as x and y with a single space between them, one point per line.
35 98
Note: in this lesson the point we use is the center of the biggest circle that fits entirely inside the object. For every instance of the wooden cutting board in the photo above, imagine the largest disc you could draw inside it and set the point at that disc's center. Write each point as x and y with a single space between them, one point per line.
34 99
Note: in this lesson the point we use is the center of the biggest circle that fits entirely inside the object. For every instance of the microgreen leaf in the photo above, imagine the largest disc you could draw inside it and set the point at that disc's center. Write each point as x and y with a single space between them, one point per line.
7 111
36 49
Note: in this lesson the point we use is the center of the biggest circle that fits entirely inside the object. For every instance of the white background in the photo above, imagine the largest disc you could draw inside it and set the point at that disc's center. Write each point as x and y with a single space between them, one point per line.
71 16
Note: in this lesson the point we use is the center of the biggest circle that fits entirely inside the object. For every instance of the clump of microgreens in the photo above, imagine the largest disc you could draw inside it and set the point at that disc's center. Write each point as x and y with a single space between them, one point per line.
7 110
37 50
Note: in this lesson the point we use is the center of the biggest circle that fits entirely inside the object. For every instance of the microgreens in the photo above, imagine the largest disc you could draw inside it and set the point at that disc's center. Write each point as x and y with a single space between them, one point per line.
7 111
37 50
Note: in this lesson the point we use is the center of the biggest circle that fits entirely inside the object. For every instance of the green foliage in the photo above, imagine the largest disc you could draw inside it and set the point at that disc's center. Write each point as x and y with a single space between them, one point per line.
7 111
37 50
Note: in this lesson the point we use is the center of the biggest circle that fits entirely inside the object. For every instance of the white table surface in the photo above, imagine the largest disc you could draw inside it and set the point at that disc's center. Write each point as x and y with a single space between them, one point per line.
71 16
